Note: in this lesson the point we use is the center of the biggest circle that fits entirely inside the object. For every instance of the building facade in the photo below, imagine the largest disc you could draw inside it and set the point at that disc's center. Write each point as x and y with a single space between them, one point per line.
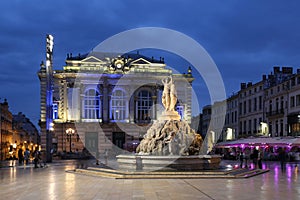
270 107
8 138
230 130
16 132
102 101
27 132
251 109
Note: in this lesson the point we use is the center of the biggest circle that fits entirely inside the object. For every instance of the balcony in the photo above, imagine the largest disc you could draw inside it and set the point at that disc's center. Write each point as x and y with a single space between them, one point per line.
276 113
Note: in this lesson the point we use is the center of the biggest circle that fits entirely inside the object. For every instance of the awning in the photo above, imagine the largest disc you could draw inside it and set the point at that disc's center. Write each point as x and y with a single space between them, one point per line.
259 141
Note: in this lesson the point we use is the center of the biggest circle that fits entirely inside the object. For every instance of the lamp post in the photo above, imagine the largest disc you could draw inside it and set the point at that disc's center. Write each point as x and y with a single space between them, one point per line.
69 133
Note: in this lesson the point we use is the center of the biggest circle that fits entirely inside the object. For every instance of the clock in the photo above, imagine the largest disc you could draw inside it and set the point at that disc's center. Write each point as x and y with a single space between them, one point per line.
119 64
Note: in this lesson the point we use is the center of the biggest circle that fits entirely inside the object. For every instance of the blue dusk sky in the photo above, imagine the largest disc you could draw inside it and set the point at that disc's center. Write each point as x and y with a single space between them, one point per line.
244 38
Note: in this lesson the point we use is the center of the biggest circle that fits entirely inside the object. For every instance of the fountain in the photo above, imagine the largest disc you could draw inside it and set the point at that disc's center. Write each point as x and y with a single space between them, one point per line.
170 143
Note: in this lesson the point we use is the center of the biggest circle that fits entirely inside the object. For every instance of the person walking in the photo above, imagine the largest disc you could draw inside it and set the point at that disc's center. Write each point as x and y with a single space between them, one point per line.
37 157
282 158
255 157
26 156
241 159
260 157
247 156
20 156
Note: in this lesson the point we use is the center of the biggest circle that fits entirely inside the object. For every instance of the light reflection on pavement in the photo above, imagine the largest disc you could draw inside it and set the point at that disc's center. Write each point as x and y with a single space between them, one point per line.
53 182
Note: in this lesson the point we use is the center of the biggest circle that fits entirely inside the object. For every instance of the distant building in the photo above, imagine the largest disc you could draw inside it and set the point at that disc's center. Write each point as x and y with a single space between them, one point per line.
101 101
27 132
230 130
196 124
6 132
206 117
17 132
270 107
251 112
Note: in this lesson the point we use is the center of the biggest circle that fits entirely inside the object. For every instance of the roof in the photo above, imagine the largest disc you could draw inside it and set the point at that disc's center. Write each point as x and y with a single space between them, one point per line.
105 55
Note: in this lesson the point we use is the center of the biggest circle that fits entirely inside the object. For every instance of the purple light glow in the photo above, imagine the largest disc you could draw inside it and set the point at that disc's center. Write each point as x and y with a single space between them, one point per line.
243 146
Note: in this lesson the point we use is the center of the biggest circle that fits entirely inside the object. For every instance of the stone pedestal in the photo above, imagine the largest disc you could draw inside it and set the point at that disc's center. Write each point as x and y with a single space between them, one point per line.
170 115
177 163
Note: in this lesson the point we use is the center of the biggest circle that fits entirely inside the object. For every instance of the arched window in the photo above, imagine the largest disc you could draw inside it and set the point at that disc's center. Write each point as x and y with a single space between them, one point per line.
91 105
118 105
143 105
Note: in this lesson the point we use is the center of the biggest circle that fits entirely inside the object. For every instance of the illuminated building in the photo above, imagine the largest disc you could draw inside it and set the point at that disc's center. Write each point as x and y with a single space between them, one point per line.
6 132
16 131
27 132
270 107
103 100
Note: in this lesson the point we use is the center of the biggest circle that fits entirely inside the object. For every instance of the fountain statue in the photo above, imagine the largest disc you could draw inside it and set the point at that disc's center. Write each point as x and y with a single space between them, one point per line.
169 135
169 142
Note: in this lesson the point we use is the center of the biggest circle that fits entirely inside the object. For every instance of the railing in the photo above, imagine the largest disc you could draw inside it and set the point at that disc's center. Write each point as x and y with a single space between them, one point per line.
275 113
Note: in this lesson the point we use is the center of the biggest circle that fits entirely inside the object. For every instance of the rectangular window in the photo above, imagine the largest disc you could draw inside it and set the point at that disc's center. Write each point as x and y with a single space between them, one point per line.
293 82
260 102
118 105
298 100
235 116
227 119
241 128
55 110
281 127
292 101
240 108
249 105
249 126
91 104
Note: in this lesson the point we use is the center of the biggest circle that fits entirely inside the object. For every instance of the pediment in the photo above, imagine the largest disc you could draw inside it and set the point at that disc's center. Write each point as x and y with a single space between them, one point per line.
92 59
141 61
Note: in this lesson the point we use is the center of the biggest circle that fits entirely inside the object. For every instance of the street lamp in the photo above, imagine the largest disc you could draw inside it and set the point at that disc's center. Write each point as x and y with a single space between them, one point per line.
69 133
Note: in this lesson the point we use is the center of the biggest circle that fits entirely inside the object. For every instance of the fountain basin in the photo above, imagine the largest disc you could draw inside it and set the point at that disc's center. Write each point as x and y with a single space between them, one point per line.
178 163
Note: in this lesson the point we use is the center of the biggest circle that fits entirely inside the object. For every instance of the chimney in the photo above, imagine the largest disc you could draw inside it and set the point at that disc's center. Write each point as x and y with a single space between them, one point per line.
276 69
243 86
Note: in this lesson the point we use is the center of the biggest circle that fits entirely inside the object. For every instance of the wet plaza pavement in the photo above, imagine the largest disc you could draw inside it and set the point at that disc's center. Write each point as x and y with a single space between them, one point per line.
53 182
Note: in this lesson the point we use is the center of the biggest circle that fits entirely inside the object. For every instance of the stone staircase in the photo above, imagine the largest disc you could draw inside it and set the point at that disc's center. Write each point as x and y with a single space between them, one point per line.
117 174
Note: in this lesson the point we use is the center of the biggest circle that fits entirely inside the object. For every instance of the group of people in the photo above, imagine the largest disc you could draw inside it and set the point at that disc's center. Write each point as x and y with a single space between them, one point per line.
36 155
23 158
256 156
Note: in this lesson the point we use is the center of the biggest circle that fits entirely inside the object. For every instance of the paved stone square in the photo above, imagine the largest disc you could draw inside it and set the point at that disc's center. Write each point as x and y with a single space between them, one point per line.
53 182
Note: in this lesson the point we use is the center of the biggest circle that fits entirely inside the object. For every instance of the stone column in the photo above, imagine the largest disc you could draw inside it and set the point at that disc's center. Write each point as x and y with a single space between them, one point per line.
105 104
154 112
132 105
